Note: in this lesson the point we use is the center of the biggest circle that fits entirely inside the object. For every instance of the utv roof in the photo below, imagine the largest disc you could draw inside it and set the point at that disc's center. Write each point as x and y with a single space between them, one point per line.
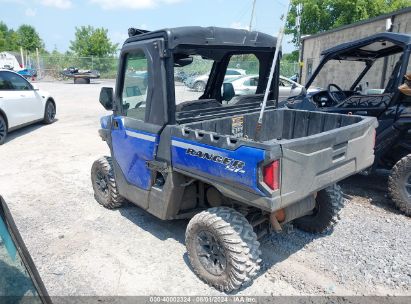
372 47
206 36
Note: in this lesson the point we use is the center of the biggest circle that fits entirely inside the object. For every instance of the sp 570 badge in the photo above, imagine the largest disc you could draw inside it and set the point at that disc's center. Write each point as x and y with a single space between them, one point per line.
229 163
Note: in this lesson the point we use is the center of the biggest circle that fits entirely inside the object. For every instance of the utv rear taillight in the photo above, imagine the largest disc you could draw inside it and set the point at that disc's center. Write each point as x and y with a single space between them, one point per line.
271 174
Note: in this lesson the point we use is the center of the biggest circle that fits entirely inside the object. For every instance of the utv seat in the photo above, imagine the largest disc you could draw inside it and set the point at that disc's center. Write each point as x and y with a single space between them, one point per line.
250 99
366 101
200 104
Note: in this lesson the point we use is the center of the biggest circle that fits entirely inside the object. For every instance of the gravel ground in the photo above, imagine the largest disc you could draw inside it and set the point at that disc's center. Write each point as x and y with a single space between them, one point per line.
81 248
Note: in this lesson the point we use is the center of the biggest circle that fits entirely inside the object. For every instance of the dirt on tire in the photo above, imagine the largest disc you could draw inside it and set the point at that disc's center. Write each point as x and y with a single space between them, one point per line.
110 199
330 201
238 240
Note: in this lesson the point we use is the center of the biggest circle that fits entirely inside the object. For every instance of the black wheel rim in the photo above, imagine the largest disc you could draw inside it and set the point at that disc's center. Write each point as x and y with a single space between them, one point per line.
101 183
407 185
211 254
51 112
2 129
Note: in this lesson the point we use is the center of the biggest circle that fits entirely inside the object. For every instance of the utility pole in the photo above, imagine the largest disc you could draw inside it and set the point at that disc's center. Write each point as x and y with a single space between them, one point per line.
252 16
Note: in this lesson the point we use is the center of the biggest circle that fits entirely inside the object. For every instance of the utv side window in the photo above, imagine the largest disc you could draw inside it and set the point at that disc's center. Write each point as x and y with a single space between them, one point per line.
135 86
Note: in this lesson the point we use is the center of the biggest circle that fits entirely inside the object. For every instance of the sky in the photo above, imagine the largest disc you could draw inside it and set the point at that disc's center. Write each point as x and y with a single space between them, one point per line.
55 20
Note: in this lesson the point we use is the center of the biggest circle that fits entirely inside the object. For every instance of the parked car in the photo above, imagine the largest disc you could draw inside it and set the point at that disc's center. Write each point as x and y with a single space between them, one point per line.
248 85
28 73
21 104
199 83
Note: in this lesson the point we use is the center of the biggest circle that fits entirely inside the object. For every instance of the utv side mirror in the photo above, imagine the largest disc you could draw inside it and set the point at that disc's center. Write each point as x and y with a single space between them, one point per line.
107 97
294 86
228 91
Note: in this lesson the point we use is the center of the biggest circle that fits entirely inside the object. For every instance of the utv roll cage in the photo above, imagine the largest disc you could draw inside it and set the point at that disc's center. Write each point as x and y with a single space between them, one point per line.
368 50
177 47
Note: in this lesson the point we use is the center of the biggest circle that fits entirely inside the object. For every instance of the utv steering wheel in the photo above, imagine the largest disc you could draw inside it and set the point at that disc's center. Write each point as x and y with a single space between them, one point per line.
336 96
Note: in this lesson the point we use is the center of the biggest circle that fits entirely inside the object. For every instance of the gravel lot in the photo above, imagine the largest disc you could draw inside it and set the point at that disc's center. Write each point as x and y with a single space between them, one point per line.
80 248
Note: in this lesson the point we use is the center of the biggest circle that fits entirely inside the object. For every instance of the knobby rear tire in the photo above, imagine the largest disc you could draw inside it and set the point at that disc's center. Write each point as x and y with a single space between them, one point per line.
329 203
238 241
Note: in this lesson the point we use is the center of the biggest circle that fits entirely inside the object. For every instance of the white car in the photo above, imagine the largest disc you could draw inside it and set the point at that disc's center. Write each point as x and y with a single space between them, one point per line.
248 85
21 104
199 83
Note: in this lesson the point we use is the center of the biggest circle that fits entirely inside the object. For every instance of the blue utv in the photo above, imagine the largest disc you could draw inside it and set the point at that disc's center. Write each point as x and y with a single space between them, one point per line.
180 154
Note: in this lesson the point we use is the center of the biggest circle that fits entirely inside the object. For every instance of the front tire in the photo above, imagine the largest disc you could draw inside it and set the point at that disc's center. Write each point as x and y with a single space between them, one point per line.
3 130
104 184
223 248
399 184
49 113
329 203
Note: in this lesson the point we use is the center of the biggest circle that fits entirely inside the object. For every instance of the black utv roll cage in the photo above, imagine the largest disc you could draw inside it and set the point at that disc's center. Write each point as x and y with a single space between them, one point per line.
368 50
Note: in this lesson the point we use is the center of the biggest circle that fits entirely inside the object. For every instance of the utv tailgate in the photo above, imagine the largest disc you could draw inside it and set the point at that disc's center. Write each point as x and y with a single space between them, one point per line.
309 164
315 150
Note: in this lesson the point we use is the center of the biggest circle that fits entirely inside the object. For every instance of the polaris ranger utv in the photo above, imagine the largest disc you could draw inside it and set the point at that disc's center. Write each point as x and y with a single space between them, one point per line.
363 77
199 158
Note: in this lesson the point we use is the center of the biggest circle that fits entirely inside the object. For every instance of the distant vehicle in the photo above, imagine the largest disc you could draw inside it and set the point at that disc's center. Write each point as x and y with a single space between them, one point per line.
21 104
80 76
10 61
180 75
140 78
294 77
199 83
248 85
28 73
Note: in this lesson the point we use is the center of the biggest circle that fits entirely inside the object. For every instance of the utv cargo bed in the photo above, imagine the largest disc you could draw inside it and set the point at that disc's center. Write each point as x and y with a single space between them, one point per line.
314 150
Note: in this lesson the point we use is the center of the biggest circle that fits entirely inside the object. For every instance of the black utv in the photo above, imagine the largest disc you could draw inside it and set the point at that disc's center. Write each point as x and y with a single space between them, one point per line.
370 77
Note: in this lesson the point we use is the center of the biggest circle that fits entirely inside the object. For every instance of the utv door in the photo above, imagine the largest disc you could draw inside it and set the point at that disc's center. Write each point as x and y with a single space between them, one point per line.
136 126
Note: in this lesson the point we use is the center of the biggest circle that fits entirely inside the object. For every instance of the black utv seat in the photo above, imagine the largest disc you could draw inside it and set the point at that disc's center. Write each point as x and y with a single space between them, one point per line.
197 105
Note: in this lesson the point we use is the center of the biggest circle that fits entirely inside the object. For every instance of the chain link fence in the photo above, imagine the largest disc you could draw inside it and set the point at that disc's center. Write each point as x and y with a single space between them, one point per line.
50 67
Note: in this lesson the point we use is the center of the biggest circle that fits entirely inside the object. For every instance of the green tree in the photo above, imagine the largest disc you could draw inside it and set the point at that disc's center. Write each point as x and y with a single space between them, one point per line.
28 38
8 38
323 15
90 41
291 57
